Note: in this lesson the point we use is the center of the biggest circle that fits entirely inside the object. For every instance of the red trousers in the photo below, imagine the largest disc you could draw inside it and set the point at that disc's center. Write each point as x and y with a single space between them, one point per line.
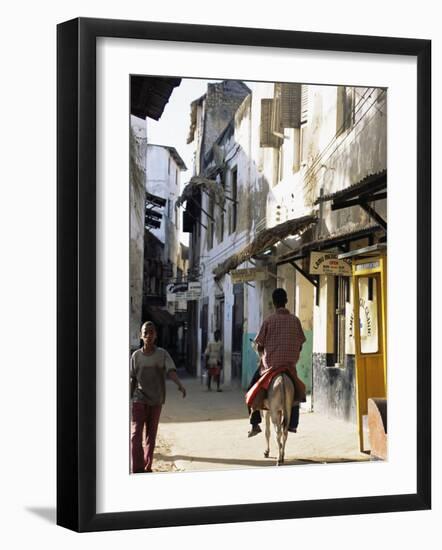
144 417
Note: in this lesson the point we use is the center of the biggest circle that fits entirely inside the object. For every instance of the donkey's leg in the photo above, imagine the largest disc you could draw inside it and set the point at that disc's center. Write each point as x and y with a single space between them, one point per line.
277 421
284 430
267 451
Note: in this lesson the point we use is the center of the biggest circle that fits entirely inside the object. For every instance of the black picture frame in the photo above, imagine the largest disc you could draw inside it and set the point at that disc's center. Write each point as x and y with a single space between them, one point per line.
76 274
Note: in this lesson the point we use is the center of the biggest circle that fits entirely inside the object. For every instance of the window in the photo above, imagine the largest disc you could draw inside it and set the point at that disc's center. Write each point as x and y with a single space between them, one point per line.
237 317
221 214
342 289
286 107
210 222
345 111
267 137
304 103
234 197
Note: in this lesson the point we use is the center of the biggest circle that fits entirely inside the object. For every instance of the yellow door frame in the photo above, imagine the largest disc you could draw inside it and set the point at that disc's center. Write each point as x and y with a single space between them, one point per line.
370 368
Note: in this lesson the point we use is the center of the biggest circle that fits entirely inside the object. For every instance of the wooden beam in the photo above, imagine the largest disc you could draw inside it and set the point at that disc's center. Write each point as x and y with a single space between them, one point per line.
373 214
202 209
313 280
343 203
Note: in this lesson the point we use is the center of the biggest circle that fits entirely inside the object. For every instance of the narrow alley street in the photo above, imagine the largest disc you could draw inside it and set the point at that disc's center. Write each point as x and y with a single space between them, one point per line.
208 431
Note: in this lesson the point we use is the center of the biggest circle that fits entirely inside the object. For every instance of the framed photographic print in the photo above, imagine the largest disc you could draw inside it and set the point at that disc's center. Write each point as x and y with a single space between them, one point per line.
243 236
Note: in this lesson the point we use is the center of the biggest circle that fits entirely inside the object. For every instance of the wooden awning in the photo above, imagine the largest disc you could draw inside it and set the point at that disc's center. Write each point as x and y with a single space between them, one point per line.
369 186
201 183
264 240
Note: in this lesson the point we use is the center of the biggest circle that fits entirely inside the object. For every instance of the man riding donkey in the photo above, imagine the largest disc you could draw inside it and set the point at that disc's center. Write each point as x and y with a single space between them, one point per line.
279 343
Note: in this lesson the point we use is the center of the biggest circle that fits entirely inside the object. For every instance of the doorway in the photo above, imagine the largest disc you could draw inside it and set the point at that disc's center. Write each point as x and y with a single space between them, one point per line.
237 331
370 315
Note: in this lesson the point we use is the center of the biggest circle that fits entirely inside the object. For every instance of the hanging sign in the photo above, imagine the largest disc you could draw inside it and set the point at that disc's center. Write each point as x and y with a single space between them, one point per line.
249 274
183 291
368 327
326 263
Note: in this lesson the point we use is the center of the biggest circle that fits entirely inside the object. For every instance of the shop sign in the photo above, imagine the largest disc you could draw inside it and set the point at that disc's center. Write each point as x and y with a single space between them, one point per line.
186 291
326 263
367 266
368 327
249 274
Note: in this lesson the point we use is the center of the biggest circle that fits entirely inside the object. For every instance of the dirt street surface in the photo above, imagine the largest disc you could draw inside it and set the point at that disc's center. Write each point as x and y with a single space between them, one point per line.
208 431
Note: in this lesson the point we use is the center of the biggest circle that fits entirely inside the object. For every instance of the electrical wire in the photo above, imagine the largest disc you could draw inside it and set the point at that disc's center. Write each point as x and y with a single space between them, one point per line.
335 138
310 176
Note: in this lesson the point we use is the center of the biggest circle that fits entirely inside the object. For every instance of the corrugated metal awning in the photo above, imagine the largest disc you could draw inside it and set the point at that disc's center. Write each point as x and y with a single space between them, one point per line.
264 240
331 241
368 186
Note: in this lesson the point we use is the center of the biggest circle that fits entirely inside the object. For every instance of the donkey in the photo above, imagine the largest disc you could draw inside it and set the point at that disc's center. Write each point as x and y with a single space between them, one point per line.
279 402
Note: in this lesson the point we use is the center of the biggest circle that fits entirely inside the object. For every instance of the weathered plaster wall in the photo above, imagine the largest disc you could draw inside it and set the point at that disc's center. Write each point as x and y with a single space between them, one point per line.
163 180
323 316
356 153
334 388
136 190
304 307
300 302
222 100
262 175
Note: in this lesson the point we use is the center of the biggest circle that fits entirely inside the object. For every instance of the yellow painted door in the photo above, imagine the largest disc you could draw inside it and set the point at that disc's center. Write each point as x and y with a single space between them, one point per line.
370 342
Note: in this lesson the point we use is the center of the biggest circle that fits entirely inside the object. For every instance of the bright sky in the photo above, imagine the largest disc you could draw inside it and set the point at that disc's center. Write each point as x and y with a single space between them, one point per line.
173 127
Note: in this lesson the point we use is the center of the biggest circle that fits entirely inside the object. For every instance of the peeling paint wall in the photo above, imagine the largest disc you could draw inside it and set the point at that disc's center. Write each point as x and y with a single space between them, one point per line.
222 100
334 388
355 153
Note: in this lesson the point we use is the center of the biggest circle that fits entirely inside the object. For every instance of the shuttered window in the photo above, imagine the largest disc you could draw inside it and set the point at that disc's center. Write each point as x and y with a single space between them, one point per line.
267 137
291 105
277 127
304 103
233 219
344 108
286 107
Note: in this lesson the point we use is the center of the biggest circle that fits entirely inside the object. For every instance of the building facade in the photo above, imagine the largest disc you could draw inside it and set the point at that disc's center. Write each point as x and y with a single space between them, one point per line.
163 248
138 143
297 175
148 98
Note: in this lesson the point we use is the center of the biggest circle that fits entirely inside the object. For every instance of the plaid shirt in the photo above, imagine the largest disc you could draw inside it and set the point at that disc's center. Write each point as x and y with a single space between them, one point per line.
281 336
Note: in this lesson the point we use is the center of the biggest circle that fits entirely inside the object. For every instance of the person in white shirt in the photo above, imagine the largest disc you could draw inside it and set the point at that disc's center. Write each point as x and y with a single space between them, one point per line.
214 361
